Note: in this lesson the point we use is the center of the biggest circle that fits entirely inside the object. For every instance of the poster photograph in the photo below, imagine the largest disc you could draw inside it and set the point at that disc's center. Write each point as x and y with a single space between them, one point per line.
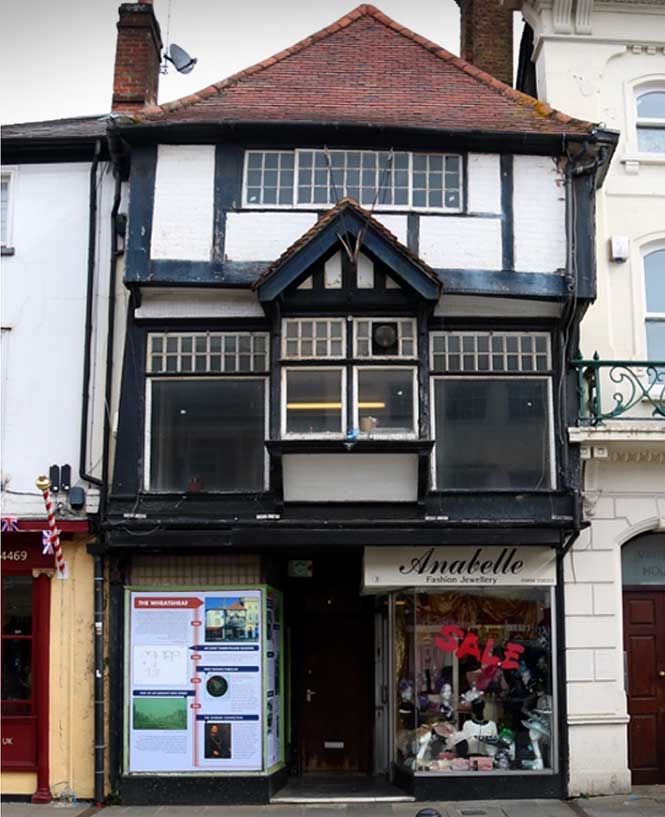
196 679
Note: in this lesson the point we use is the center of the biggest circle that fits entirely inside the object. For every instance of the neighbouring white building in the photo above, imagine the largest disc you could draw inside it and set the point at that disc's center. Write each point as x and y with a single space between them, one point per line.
605 62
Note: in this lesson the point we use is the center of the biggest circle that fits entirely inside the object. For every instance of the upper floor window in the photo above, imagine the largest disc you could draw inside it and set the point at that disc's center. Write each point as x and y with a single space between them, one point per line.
392 180
654 285
206 412
352 391
650 121
6 201
492 410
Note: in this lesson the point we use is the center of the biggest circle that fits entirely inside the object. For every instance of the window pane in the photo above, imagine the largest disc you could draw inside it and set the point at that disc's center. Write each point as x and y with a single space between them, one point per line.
207 435
651 105
656 340
654 277
17 605
313 401
16 669
492 434
385 400
651 140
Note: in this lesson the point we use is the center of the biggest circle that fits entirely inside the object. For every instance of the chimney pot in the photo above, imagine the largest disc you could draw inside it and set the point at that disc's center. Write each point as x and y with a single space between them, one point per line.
137 57
486 37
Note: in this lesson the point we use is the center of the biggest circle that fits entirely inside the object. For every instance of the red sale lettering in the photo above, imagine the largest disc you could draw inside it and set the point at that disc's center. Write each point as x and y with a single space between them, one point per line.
450 635
511 655
455 639
469 647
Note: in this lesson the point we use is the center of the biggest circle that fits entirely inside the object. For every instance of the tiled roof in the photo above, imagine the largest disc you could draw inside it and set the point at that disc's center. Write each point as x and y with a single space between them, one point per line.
366 69
335 212
80 127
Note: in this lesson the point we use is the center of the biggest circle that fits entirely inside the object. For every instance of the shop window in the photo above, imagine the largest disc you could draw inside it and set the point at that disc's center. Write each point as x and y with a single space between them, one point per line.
385 400
391 180
492 409
654 285
474 681
206 434
17 635
314 403
650 121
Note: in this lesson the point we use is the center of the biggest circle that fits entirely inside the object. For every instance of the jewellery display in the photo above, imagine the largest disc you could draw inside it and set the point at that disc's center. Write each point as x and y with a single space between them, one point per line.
475 688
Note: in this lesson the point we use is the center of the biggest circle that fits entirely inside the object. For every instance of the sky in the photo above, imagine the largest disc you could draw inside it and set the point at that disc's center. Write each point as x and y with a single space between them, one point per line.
57 55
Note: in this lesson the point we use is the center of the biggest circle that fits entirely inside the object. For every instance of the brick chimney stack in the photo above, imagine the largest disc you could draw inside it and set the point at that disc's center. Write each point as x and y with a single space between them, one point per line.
137 57
486 37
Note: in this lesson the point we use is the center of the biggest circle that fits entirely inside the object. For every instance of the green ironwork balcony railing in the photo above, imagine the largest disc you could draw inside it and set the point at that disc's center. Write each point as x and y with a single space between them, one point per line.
620 390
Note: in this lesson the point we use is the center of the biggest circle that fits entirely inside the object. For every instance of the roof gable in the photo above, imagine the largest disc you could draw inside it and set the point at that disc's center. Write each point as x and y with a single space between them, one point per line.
366 69
347 219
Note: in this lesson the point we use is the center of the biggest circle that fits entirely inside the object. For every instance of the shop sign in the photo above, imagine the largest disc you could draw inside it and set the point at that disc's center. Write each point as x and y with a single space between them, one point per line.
487 566
21 556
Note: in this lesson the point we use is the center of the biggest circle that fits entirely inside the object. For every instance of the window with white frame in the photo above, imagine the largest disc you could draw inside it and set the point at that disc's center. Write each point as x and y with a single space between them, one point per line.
206 412
492 410
351 391
654 287
7 180
650 120
391 180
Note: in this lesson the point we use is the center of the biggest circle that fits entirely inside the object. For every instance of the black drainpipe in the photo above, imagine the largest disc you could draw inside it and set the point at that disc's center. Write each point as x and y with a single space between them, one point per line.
87 353
99 567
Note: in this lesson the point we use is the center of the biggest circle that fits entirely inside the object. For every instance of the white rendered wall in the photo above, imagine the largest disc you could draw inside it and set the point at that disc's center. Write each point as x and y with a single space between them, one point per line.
254 236
43 311
484 183
182 226
593 75
539 215
460 242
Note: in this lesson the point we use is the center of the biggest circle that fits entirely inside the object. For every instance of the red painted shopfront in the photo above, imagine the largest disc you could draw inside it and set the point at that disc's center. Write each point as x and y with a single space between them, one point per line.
26 592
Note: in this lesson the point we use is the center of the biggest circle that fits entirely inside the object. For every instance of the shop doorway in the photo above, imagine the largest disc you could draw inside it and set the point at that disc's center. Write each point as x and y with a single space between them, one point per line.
644 645
333 673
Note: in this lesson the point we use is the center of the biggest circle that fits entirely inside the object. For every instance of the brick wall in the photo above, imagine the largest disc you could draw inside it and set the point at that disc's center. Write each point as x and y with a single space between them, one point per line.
486 37
137 58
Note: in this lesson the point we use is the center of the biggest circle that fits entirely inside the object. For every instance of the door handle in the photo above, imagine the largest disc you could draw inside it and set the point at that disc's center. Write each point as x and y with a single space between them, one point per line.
661 673
309 693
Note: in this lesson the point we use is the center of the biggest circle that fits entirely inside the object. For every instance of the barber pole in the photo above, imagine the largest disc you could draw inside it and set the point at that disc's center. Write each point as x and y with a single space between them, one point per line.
43 483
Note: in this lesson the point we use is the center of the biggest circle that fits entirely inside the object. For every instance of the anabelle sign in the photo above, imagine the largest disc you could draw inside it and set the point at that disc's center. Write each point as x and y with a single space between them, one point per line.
459 566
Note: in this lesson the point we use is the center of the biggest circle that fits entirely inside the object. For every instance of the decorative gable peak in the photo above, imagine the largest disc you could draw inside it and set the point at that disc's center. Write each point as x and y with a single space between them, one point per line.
348 229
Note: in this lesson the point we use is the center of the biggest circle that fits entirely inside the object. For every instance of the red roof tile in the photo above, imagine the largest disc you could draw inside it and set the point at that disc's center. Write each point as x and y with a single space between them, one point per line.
367 69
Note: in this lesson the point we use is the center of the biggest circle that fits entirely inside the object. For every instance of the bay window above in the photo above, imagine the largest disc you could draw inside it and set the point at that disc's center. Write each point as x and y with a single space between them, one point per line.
396 180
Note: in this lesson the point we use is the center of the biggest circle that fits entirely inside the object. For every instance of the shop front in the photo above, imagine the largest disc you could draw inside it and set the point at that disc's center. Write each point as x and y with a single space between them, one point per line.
474 681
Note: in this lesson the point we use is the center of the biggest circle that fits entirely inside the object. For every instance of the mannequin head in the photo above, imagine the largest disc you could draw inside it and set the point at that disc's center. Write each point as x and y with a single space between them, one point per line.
446 692
478 709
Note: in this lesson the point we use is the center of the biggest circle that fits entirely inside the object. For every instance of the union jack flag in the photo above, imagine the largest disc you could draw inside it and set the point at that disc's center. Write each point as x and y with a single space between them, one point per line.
9 524
48 538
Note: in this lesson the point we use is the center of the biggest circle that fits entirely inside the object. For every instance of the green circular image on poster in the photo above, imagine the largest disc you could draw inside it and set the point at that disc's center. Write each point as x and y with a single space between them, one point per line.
216 686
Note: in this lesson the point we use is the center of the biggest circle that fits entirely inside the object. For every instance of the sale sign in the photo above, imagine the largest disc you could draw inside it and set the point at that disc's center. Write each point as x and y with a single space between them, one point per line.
455 639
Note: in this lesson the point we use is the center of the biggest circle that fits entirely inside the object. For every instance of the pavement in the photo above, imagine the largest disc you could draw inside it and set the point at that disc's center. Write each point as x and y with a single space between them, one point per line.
642 802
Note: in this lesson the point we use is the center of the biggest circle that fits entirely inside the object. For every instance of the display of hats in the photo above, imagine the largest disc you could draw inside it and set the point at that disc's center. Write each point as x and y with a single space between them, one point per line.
537 724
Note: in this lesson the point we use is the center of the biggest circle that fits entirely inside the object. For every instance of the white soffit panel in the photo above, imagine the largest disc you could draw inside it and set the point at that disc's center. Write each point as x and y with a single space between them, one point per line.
350 477
484 183
254 236
182 221
199 303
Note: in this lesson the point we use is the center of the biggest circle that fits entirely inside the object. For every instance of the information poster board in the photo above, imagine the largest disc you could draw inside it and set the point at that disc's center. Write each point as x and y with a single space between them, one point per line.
195 680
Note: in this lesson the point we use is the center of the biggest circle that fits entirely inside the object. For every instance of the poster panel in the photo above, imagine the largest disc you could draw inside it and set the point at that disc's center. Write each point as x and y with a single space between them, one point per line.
195 681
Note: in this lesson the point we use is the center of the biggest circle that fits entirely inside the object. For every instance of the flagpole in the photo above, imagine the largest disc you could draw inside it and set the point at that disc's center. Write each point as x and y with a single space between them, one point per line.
43 483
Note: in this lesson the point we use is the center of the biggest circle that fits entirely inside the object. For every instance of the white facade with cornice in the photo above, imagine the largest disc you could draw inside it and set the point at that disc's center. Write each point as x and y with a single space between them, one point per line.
593 59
